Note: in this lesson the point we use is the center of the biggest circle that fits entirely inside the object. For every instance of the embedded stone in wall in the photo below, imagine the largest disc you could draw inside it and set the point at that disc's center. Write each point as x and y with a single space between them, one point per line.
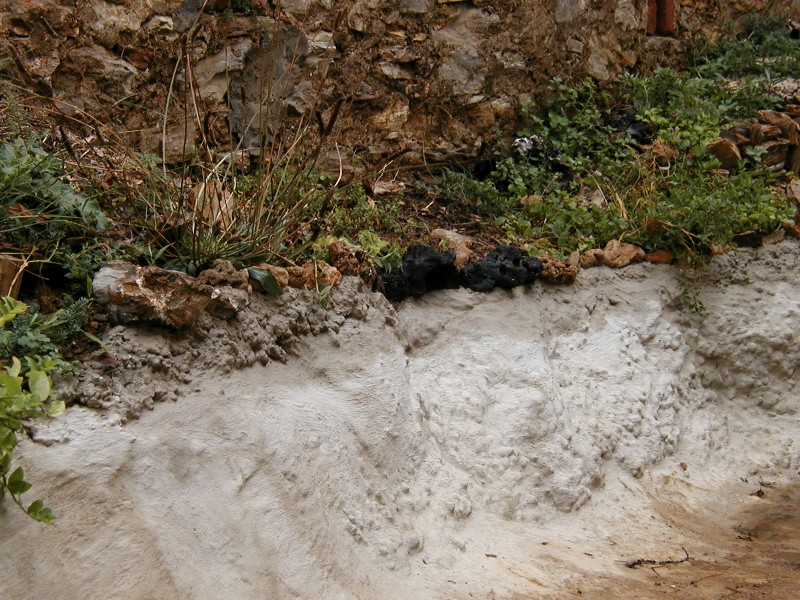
465 71
213 73
392 118
416 6
628 16
569 10
111 19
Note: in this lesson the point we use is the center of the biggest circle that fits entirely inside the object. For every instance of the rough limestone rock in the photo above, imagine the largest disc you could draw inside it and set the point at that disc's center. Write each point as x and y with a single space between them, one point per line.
390 454
280 274
299 277
227 302
618 254
222 272
133 293
558 271
591 258
343 259
660 257
504 267
320 274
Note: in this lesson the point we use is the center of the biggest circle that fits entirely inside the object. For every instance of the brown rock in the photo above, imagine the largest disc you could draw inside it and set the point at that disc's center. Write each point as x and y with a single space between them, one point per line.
775 154
661 151
789 129
574 260
660 257
591 197
592 258
222 272
618 254
320 274
460 244
793 190
793 230
343 258
133 293
227 302
763 132
557 271
726 152
299 277
793 161
774 237
793 110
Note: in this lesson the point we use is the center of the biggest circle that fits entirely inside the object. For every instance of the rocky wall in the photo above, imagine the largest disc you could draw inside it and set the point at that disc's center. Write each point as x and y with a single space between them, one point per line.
428 80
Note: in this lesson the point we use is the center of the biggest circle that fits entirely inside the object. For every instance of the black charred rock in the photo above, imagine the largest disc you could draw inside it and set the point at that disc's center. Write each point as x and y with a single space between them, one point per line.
428 270
504 267
393 284
424 270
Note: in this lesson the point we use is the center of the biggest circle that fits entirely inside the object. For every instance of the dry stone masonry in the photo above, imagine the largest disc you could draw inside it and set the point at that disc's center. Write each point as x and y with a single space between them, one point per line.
431 79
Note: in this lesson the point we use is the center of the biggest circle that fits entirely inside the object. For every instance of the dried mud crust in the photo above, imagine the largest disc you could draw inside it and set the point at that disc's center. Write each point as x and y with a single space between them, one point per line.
141 365
520 444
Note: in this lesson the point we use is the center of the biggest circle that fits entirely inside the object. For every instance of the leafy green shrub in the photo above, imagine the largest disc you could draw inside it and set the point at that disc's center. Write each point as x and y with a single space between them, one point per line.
692 211
575 124
680 205
762 48
24 394
26 332
689 112
36 201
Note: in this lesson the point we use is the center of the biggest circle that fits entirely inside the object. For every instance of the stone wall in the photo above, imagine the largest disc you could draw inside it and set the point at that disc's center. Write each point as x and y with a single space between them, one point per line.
428 80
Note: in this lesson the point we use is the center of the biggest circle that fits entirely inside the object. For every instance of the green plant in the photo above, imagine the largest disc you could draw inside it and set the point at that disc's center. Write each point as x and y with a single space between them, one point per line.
36 202
688 111
760 47
24 394
379 252
26 332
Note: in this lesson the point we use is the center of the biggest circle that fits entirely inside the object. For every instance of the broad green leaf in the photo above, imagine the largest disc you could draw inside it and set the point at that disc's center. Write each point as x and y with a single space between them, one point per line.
265 280
7 442
10 308
40 512
10 386
16 482
39 383
56 408
15 368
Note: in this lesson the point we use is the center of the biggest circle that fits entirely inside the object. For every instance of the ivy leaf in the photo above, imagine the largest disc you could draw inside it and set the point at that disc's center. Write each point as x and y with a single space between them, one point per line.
40 512
39 383
16 482
56 408
15 368
5 463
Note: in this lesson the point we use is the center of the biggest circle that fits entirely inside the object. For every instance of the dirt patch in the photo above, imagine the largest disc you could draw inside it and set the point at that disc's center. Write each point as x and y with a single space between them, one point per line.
751 553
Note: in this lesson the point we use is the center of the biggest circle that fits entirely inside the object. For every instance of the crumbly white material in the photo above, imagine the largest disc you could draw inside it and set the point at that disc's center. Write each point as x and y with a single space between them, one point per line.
513 444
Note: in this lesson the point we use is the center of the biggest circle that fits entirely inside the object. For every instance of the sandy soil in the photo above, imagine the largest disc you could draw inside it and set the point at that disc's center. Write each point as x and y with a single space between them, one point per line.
523 444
